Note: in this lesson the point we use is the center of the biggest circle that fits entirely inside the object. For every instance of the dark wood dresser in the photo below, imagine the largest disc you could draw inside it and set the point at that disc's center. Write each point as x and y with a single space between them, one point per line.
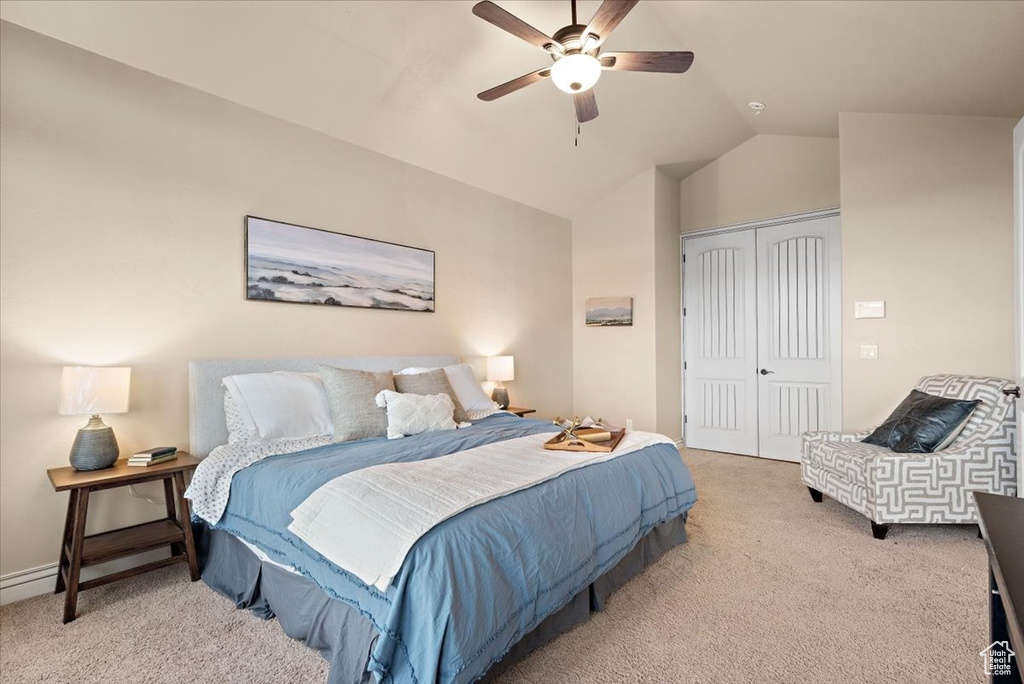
1001 519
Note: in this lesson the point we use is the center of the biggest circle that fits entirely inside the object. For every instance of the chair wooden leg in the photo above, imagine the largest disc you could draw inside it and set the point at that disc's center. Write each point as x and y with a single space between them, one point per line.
879 529
815 494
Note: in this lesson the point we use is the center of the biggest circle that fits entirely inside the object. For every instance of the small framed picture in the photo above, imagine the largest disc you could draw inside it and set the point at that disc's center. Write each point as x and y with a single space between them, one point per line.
604 312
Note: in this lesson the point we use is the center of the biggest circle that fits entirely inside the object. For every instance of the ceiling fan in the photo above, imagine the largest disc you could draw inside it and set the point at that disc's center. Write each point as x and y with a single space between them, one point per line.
576 51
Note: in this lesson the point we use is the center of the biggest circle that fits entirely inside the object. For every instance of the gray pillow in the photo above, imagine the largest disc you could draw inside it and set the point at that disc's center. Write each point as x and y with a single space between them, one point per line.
431 382
351 394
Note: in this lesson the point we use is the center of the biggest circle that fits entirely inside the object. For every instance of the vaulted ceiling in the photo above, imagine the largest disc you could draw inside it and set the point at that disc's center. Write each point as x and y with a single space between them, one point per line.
401 77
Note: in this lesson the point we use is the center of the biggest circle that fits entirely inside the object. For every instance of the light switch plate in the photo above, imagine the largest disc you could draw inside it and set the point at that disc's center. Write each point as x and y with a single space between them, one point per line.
869 310
869 351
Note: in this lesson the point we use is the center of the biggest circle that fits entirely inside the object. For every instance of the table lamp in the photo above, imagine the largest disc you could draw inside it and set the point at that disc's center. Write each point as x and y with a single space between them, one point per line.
89 391
500 369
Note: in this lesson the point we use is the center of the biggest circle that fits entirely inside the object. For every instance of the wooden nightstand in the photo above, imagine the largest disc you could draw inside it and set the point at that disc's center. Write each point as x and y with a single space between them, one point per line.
78 550
520 411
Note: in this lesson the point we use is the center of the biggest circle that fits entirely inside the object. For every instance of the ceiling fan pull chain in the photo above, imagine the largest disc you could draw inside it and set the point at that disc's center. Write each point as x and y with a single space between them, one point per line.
577 134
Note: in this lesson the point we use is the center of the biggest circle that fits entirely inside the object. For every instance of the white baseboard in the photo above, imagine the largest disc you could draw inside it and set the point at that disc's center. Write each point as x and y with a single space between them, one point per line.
33 582
25 584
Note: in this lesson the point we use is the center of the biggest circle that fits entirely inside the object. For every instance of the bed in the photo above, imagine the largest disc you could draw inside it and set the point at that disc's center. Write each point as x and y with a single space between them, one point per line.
478 590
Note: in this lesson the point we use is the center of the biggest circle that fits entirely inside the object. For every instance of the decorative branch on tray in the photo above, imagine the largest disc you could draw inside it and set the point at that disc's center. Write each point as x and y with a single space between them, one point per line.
595 430
569 429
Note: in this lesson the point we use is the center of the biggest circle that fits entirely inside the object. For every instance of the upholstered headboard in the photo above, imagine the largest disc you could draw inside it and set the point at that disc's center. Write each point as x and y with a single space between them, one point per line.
207 428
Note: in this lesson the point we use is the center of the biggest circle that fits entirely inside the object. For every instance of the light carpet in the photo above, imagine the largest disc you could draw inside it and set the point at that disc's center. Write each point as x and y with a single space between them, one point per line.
771 587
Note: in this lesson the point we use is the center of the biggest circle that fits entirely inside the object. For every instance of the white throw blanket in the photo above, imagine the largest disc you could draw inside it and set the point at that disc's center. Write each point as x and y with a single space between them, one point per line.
367 521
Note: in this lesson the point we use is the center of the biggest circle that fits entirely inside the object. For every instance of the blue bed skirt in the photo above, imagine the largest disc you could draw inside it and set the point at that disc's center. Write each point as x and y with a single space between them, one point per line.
345 638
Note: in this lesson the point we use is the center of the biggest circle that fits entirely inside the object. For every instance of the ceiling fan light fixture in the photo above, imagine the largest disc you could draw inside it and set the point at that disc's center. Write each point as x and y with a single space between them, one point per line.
575 73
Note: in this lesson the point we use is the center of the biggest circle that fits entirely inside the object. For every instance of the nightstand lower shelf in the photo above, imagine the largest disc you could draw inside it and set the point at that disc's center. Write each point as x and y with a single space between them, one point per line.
127 541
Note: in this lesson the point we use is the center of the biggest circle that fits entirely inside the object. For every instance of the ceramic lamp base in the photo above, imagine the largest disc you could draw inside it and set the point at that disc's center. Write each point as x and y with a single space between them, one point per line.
95 446
500 397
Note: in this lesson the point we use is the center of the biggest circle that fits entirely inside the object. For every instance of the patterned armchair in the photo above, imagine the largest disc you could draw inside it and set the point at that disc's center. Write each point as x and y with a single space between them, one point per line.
888 487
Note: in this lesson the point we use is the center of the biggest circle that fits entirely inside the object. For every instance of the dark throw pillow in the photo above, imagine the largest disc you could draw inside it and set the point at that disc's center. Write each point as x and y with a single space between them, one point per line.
921 423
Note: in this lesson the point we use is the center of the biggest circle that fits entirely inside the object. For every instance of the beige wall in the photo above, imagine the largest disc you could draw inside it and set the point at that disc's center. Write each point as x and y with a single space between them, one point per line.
628 245
668 338
768 175
613 252
121 204
927 212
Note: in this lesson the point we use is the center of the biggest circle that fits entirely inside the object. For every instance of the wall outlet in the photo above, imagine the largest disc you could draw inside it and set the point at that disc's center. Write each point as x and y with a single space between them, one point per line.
629 423
869 351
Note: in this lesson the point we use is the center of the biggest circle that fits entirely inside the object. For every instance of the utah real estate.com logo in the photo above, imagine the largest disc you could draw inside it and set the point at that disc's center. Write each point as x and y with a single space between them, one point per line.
997 658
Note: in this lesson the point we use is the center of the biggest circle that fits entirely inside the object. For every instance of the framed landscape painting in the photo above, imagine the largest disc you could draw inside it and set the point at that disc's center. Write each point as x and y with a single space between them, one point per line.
289 263
609 311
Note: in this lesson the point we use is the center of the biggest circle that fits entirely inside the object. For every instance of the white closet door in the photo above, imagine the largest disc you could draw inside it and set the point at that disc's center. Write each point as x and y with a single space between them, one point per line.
720 336
798 311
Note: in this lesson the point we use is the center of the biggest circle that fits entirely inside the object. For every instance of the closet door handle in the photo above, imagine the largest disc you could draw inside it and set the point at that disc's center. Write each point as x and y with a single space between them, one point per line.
765 371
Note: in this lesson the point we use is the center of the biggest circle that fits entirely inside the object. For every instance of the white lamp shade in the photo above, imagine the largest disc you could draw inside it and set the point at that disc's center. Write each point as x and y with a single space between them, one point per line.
501 368
86 391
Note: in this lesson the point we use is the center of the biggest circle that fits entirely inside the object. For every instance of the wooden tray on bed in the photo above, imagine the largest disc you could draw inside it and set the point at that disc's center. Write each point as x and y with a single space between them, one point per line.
558 443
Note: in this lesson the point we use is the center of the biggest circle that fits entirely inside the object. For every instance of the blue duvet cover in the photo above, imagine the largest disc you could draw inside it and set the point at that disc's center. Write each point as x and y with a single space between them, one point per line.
475 584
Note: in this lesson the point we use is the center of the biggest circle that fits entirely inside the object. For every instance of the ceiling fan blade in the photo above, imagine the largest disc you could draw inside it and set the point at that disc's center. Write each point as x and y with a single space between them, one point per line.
662 62
490 12
607 17
586 106
514 85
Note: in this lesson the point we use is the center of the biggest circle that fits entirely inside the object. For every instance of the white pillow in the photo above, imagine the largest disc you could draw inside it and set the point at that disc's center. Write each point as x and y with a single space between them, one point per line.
471 395
411 414
467 389
281 405
414 371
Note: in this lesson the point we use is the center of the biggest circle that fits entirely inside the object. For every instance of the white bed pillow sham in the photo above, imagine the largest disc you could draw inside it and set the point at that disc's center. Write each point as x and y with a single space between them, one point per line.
467 389
411 414
280 405
240 431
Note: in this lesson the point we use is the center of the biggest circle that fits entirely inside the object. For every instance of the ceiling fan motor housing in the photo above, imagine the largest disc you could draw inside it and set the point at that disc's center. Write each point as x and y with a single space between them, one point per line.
569 38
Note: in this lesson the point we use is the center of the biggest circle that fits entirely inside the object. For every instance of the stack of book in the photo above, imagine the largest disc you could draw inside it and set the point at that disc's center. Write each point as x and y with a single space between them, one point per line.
153 456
